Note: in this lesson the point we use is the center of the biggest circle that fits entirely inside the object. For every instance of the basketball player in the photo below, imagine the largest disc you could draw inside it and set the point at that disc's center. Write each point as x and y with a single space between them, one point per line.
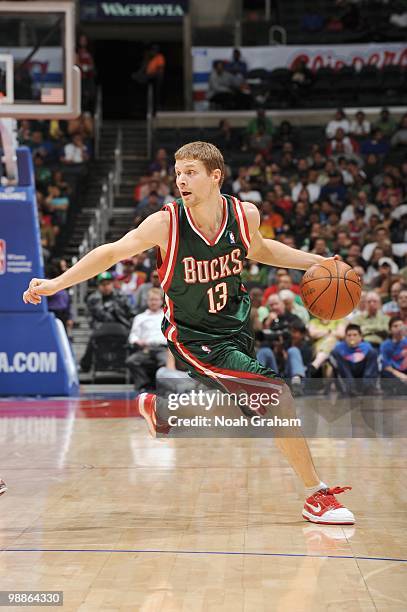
202 240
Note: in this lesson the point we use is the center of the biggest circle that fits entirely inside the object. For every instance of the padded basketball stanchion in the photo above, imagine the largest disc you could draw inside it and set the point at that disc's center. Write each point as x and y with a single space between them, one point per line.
35 355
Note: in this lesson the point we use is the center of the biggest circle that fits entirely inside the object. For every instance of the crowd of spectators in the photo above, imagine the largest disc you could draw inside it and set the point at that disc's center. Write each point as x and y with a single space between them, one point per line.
60 151
333 199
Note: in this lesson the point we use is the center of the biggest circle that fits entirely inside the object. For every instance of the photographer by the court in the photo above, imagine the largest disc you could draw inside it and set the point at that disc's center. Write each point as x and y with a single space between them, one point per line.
281 346
106 305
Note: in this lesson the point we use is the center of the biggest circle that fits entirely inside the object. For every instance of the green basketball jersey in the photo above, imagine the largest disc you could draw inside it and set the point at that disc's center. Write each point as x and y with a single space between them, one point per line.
204 295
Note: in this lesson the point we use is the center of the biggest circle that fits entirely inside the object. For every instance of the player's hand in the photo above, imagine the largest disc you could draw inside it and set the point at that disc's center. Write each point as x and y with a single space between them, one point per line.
37 288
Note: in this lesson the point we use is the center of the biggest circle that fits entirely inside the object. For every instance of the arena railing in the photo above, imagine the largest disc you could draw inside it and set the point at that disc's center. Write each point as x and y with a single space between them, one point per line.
150 119
97 230
118 162
98 120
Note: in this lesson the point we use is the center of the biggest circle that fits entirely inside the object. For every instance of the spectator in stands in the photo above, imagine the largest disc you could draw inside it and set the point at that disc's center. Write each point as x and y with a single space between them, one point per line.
391 308
334 191
373 323
142 265
43 175
24 135
237 66
393 354
82 125
357 227
402 304
243 174
161 163
270 219
386 123
355 360
128 281
399 138
373 266
286 133
224 89
148 340
360 126
358 204
341 144
282 200
260 121
372 166
39 146
226 139
75 152
343 164
57 204
253 274
288 299
153 205
383 281
258 312
85 61
316 159
282 281
288 163
47 235
141 293
375 144
308 180
59 181
388 188
105 305
260 142
324 334
381 240
155 69
301 81
278 353
248 194
320 247
399 229
340 121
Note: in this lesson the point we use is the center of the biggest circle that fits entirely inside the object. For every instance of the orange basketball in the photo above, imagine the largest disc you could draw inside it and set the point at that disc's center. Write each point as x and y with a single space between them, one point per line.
330 290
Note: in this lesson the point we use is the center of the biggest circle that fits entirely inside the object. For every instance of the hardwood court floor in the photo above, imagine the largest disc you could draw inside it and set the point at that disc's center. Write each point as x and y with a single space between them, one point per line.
120 521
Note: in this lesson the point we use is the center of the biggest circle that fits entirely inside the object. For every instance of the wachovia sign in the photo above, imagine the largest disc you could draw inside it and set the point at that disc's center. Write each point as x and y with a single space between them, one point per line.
131 10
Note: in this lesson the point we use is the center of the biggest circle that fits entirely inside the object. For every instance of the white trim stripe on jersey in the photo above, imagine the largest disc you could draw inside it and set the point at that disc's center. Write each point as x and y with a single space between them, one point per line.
242 224
173 242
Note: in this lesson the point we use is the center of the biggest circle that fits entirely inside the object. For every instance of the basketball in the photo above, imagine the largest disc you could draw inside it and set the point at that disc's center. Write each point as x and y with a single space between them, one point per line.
330 290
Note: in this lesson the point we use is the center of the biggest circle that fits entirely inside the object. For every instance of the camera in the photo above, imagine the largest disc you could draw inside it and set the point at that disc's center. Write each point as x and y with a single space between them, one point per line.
274 336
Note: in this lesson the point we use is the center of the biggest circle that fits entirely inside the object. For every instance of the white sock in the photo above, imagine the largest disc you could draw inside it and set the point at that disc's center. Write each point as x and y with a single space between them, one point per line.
311 490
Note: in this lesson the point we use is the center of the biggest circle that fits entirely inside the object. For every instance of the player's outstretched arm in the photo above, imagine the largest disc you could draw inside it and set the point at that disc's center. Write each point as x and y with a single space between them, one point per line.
152 232
272 252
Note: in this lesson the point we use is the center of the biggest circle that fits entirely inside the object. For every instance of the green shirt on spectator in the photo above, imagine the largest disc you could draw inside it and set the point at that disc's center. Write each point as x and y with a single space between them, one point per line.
374 329
254 124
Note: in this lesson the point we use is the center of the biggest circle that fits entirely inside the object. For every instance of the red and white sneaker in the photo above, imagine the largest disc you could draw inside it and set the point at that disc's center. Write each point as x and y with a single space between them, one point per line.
146 403
322 507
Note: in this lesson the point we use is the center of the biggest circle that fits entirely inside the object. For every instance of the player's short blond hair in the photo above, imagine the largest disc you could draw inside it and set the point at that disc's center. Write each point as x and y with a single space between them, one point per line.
205 152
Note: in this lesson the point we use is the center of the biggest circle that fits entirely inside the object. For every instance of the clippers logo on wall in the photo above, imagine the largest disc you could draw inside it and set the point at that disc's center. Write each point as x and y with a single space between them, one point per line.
3 255
131 10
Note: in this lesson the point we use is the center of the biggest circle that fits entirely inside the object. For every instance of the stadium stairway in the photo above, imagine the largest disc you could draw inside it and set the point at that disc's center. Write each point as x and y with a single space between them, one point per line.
134 164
